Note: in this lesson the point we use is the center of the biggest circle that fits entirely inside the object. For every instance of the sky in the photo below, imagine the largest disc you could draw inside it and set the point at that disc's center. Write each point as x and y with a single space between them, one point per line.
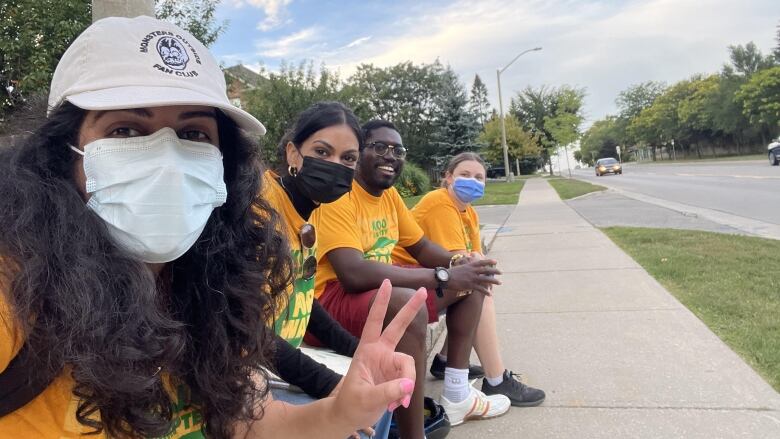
604 46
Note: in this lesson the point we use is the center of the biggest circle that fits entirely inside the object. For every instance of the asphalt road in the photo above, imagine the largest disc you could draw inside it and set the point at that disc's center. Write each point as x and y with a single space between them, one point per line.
746 189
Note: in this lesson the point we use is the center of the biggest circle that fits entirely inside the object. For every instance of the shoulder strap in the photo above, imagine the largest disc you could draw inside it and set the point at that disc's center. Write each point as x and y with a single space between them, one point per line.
20 383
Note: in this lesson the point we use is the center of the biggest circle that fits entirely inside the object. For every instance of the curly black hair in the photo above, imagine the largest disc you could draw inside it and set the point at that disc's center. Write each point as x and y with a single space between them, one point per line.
86 306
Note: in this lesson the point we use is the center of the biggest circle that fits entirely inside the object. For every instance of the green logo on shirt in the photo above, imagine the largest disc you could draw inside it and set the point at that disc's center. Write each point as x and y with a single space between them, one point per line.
467 233
381 251
291 324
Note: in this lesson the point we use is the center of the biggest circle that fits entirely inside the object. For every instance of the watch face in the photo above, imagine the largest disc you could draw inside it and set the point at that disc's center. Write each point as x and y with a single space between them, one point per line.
443 275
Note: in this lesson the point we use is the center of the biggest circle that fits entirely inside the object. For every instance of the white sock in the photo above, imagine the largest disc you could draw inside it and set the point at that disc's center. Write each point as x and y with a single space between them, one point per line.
495 381
456 384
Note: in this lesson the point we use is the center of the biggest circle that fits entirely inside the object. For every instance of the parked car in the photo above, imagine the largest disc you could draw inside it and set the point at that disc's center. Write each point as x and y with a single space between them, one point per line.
496 172
773 152
608 166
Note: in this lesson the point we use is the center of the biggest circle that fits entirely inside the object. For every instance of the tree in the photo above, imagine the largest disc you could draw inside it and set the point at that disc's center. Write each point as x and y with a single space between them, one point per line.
33 36
760 98
660 123
600 140
409 95
279 99
530 107
553 115
776 50
35 33
747 60
195 16
633 100
478 100
564 123
455 128
521 144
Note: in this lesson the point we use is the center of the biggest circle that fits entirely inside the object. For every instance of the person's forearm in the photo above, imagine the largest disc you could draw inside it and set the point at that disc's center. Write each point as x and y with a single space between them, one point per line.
429 254
316 419
369 274
329 332
296 368
433 256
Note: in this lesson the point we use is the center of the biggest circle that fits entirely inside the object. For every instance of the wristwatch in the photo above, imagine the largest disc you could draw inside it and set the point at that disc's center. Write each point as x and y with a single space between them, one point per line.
442 277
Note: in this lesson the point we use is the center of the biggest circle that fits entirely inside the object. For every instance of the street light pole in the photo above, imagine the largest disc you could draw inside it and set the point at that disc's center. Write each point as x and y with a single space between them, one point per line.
501 109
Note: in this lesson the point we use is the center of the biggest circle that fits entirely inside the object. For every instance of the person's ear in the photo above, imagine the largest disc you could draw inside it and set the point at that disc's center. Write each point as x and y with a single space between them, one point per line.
449 178
294 159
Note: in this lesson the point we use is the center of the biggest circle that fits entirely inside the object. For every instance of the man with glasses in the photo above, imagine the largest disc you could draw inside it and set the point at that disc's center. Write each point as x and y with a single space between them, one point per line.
357 235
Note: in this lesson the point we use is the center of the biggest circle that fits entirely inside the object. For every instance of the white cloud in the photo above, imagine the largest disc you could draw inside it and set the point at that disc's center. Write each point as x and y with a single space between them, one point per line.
296 45
357 42
275 11
602 45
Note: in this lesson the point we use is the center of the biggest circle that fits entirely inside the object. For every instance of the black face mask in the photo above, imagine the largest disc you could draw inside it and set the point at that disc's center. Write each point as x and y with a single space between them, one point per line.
323 181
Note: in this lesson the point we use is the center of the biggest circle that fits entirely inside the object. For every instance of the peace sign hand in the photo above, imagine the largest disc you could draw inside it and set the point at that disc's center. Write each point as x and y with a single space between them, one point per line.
379 378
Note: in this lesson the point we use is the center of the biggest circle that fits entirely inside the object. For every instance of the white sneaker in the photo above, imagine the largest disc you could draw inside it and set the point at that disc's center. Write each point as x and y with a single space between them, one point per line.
476 406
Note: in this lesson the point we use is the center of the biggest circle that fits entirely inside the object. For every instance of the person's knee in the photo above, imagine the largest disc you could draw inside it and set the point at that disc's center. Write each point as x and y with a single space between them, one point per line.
472 303
417 329
469 313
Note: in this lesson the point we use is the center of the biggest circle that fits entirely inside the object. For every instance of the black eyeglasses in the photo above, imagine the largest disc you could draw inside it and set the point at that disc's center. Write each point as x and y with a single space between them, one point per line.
381 148
308 236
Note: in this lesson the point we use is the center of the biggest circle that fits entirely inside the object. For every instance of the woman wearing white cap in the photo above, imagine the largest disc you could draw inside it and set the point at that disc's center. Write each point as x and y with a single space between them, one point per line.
138 267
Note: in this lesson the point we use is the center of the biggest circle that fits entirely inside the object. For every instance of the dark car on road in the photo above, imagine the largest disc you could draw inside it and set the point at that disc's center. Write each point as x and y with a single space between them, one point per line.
773 152
608 166
496 172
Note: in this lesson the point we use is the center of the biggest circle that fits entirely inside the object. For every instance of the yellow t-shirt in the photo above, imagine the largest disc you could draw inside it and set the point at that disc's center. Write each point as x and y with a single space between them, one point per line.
444 224
359 220
291 320
52 414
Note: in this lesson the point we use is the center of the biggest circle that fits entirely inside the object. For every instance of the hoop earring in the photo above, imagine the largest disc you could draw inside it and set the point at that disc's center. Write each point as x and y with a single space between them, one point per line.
293 171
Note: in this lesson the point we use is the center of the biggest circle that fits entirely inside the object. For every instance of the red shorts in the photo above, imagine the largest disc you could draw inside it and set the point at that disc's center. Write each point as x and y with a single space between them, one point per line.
351 310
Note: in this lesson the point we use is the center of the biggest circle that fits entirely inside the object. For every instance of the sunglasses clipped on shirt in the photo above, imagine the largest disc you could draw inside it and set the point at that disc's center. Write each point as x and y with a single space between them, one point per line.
308 237
381 149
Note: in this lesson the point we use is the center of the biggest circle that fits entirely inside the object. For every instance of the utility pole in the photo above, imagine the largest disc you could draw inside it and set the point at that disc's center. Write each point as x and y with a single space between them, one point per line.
121 8
501 108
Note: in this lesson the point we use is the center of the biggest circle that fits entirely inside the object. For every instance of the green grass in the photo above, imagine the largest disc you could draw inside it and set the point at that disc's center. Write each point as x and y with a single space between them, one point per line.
730 282
568 188
496 192
501 192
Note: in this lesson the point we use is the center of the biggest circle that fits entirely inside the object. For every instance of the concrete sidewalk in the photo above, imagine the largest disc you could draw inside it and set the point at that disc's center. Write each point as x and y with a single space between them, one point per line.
617 355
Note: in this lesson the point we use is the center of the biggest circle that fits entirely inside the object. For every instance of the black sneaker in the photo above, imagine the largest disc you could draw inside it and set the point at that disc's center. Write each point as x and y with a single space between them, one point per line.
438 365
437 423
517 392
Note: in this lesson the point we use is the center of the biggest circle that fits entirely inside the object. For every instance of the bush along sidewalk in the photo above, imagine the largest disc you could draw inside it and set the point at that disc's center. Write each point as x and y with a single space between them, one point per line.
413 181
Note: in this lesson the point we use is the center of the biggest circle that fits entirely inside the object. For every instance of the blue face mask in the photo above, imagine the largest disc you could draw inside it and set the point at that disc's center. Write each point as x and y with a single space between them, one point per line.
468 189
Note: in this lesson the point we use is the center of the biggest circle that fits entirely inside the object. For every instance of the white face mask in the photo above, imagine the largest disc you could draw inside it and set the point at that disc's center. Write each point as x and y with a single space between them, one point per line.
156 192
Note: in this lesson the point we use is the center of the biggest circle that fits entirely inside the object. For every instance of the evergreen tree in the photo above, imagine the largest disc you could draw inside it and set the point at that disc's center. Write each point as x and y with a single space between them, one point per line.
478 101
455 128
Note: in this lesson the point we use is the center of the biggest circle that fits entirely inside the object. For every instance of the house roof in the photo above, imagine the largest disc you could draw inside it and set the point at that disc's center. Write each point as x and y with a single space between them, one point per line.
245 75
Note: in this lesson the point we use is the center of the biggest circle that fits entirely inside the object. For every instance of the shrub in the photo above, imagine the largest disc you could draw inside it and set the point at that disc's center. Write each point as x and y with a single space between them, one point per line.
529 165
412 181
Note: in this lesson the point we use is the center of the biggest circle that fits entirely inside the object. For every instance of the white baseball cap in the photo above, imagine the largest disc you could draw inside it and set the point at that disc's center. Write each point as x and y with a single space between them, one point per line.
120 63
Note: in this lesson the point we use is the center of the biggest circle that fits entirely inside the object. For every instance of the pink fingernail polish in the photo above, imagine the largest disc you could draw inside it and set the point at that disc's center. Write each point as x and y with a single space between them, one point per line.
407 385
406 401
